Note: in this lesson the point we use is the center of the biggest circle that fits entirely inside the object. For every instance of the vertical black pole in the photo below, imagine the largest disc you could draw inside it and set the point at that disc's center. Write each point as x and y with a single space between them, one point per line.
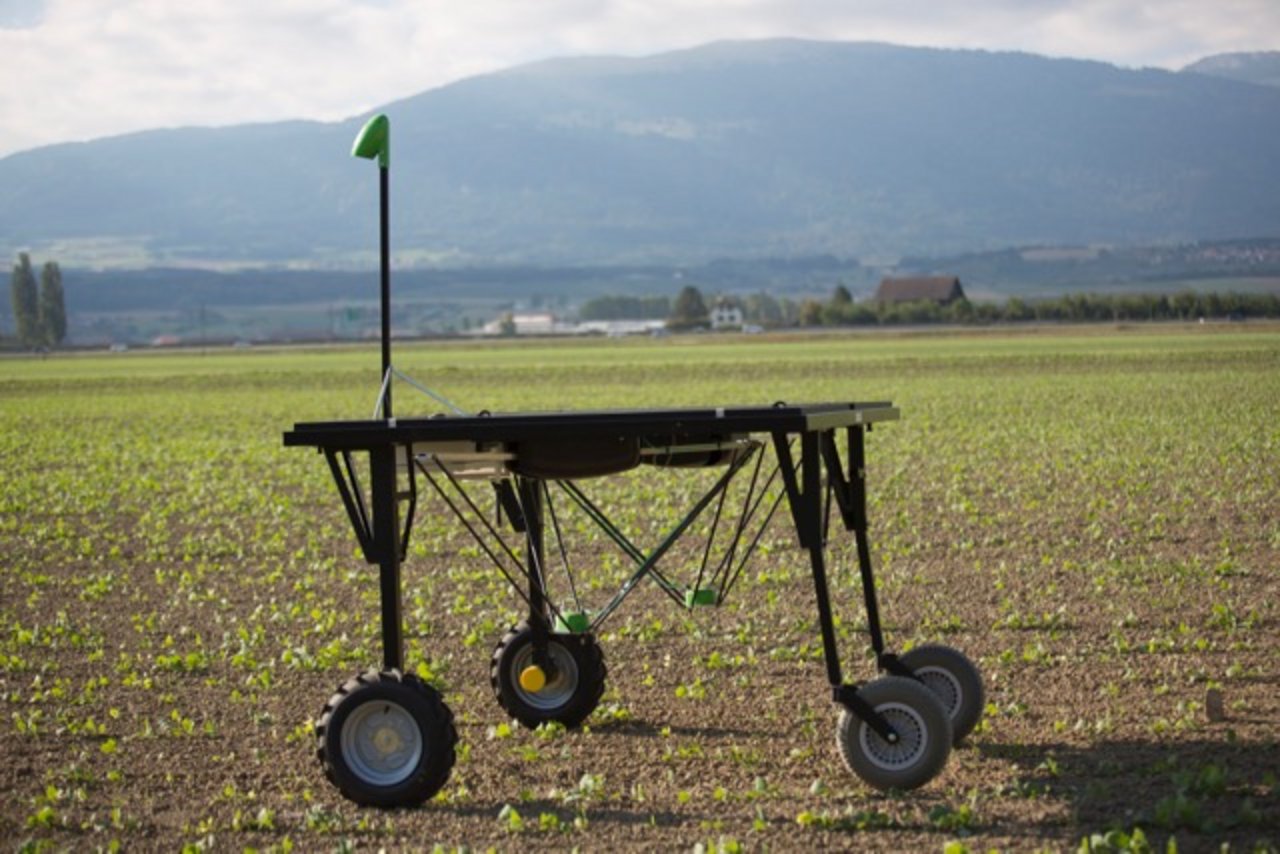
385 216
812 494
531 509
858 482
539 625
386 545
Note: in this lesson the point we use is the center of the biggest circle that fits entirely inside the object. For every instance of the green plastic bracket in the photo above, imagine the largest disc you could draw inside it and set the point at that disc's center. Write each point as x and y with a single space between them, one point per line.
704 596
574 623
374 141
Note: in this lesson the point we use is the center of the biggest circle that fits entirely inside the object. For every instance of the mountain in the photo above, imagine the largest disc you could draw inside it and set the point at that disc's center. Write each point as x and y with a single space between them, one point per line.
739 149
1262 68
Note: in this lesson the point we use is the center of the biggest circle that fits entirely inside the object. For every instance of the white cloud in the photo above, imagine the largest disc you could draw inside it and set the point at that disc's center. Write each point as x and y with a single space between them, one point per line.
77 69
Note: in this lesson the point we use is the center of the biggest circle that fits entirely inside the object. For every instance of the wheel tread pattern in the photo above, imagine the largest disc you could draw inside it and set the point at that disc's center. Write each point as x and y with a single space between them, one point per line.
592 671
965 672
897 690
430 778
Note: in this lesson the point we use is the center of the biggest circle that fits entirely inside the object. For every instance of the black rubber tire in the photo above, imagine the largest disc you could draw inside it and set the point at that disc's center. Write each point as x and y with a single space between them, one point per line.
412 721
955 679
923 727
574 690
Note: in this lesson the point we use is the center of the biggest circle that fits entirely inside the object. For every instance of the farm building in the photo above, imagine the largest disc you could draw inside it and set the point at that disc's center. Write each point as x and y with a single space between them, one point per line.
940 289
540 323
726 314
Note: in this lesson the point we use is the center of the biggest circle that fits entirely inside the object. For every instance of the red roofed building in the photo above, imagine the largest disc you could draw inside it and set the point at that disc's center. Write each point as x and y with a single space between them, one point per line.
940 289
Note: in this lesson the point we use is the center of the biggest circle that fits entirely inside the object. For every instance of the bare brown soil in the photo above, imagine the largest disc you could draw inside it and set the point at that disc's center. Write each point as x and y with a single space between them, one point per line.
164 655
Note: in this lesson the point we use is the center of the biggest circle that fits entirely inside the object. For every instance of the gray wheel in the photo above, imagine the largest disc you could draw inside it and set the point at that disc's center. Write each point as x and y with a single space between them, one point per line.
380 743
922 726
574 684
386 739
954 678
558 690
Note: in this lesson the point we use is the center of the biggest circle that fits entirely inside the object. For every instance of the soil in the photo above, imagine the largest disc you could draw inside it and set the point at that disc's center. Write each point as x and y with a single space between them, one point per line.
165 654
717 726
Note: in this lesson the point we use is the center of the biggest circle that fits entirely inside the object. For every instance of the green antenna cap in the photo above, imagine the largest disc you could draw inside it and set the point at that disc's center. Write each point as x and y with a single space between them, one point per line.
374 141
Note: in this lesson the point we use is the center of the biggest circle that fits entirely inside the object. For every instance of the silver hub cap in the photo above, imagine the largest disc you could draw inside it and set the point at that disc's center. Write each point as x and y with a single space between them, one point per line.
381 743
913 738
559 688
945 687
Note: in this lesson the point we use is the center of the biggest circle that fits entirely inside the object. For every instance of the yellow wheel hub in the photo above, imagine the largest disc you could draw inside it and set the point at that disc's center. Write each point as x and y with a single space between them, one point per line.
533 678
387 740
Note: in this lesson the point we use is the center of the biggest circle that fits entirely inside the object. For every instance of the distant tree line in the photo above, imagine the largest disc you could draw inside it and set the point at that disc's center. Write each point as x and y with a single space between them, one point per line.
689 309
1186 305
625 308
39 313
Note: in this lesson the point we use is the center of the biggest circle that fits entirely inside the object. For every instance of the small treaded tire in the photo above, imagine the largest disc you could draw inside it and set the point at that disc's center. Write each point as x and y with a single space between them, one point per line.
948 673
570 695
923 728
386 739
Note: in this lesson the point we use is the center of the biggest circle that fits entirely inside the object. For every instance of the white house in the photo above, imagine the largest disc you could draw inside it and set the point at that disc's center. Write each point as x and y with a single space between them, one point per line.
726 314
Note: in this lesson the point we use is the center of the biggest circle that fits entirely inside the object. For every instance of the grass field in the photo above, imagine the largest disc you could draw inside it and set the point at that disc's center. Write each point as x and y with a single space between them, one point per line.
1093 516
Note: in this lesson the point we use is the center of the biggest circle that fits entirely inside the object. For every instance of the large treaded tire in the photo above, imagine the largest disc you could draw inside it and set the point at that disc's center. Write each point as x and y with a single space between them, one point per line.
572 694
386 739
955 679
923 728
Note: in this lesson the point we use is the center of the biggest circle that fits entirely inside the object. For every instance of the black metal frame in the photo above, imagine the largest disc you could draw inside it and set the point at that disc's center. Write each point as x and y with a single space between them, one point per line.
813 482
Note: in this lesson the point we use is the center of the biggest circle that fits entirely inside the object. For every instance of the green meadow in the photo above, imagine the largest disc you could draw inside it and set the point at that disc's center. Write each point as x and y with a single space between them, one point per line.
1093 515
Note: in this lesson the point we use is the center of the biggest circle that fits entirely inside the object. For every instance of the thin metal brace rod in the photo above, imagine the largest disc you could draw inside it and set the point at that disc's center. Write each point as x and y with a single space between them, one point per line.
675 534
828 500
385 389
732 579
744 518
731 576
480 541
604 523
727 557
564 555
436 396
526 571
466 496
601 520
352 500
381 402
412 509
711 537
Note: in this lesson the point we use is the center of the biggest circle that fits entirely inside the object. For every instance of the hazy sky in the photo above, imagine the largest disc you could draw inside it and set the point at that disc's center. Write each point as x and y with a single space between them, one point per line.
79 69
